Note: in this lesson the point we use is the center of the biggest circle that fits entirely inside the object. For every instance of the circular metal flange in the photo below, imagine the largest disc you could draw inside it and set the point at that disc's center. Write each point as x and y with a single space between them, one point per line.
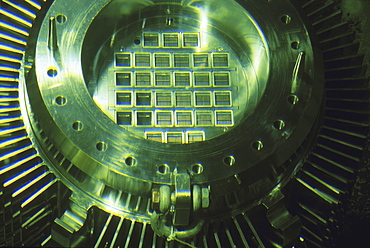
277 87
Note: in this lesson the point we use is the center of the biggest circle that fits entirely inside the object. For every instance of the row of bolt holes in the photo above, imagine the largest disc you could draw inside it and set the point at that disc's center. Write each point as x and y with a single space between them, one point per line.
52 71
279 124
164 169
286 19
61 19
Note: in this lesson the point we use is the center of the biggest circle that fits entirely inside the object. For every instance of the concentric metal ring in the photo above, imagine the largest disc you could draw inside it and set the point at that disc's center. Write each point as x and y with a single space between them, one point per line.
285 84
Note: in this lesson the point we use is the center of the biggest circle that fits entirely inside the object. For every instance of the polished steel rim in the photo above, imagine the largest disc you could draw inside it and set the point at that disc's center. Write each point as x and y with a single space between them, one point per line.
58 133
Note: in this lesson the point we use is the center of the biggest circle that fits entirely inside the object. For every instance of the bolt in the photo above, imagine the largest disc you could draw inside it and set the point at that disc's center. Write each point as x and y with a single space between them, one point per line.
155 196
205 197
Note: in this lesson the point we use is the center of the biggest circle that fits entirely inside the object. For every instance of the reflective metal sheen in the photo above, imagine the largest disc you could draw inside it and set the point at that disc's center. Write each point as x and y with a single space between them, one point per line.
132 92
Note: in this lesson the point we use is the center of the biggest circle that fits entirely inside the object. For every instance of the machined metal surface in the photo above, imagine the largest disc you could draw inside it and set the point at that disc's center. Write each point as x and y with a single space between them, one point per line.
189 117
100 148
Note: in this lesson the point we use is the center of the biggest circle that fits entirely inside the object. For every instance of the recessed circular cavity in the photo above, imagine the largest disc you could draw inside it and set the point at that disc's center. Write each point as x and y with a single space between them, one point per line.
101 146
293 99
257 145
229 160
286 19
137 41
171 82
61 18
77 125
197 168
295 45
130 161
61 100
163 169
52 72
182 94
279 124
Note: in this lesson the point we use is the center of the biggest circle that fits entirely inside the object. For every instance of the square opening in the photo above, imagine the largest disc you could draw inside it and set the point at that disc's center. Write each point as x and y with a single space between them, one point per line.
224 118
175 137
182 79
181 60
143 99
191 39
123 99
201 79
143 79
124 118
155 136
144 118
151 39
195 136
162 60
222 98
163 79
203 99
201 60
221 60
221 79
184 118
123 60
164 118
123 79
183 99
142 60
204 118
163 99
171 40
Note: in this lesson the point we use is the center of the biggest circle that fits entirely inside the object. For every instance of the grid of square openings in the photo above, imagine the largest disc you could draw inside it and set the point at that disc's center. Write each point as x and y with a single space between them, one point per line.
175 118
175 136
171 60
170 40
161 78
173 99
171 88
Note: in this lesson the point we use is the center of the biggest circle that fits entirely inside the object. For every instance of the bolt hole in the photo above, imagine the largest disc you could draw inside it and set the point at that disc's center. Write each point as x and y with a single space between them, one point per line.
293 99
52 72
61 100
163 169
197 168
257 145
279 124
130 161
101 146
61 18
77 125
286 19
229 160
137 41
296 45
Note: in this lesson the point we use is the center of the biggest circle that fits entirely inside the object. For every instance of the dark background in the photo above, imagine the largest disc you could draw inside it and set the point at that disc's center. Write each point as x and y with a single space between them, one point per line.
355 225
